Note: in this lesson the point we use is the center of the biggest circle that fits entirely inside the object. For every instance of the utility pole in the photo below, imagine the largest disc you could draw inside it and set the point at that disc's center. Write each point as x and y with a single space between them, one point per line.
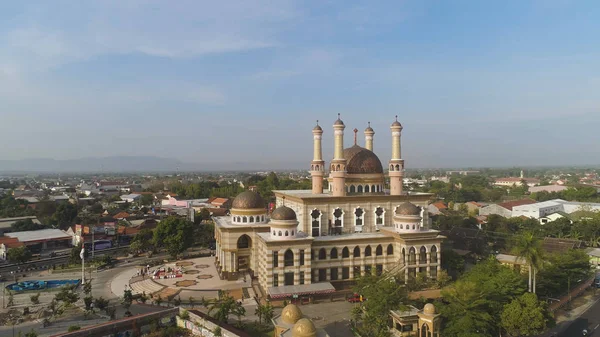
82 256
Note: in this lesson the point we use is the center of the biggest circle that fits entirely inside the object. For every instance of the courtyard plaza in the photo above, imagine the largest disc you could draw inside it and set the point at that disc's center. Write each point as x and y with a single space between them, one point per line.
196 278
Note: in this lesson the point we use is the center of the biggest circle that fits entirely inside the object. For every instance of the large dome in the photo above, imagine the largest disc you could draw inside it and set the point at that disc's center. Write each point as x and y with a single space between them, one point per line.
408 208
361 161
248 200
283 213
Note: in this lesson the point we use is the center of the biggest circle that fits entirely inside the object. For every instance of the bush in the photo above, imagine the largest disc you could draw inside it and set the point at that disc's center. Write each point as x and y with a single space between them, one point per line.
35 299
101 303
73 328
184 314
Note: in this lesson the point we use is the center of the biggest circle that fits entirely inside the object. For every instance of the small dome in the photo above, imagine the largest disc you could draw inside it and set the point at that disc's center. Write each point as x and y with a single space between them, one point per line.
283 213
429 309
369 129
317 128
396 123
291 314
408 208
338 122
362 161
304 328
248 200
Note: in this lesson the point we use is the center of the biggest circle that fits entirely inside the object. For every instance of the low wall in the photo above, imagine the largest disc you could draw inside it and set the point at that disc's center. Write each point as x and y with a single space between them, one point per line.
203 325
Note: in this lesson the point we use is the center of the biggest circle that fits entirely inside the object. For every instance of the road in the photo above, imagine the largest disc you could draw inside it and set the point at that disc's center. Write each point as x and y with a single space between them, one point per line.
590 320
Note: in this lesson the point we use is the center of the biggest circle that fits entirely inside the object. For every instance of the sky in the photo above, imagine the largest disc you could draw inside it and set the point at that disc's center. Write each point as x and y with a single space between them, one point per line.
474 83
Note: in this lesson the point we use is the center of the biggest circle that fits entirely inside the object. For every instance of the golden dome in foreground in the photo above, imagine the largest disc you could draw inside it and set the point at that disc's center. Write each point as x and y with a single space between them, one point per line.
429 309
291 314
304 328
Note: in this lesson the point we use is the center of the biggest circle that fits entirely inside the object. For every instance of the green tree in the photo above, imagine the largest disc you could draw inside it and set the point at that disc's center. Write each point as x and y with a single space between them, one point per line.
65 215
147 199
142 242
18 254
562 269
527 246
73 328
26 225
526 316
175 234
127 301
67 296
223 307
467 312
101 303
31 334
383 294
476 300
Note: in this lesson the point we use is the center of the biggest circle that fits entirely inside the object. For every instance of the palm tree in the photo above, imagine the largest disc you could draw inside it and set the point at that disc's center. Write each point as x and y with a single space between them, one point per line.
529 247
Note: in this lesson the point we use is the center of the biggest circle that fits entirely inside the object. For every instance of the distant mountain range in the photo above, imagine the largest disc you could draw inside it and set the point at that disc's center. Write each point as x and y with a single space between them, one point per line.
129 164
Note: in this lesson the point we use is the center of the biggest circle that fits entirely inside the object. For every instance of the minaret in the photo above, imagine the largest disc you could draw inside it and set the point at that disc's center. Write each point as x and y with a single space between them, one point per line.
396 163
338 164
369 133
317 168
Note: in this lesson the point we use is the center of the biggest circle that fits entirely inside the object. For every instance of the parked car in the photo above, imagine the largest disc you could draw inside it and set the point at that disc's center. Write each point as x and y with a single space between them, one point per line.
356 298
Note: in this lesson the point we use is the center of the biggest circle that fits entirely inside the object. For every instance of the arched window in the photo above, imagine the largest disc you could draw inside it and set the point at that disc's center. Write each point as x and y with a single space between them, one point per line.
274 233
401 226
292 233
423 255
243 242
333 253
397 167
367 189
244 219
239 219
356 252
287 233
412 258
390 249
279 233
322 254
345 252
251 219
262 218
352 189
316 222
391 167
379 250
403 254
433 255
372 188
368 251
413 226
359 189
288 258
337 167
379 220
338 217
358 217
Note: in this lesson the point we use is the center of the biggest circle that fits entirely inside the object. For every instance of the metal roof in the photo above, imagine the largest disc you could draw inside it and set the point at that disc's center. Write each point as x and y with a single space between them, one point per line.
40 235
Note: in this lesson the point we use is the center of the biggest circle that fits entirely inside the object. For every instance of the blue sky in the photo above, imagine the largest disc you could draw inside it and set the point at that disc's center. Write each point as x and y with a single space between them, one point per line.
475 83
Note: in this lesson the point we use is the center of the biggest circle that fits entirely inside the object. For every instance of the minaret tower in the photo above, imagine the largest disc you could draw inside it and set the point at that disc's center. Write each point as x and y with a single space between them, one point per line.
317 168
369 133
338 164
396 163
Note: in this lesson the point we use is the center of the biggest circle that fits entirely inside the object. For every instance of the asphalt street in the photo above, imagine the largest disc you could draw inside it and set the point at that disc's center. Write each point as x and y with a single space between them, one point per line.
589 320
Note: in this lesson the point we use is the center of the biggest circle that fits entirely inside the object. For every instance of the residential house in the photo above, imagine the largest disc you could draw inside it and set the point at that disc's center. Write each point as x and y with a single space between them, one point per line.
131 197
6 223
7 243
436 208
547 188
554 216
515 181
517 263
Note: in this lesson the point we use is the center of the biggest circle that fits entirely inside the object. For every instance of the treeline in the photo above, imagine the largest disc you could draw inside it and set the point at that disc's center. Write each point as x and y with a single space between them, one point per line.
582 193
264 186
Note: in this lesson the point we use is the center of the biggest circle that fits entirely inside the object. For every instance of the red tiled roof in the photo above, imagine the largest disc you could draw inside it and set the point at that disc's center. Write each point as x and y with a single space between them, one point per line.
10 242
510 204
219 201
440 205
474 203
218 211
121 215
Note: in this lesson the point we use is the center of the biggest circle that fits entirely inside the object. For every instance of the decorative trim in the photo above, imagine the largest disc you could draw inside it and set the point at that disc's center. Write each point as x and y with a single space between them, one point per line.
396 133
338 132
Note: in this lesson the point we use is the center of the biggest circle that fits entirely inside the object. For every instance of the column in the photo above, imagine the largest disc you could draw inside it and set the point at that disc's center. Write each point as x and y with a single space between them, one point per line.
428 264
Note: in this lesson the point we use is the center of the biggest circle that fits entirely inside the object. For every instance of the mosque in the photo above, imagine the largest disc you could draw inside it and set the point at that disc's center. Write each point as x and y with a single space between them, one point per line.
316 241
